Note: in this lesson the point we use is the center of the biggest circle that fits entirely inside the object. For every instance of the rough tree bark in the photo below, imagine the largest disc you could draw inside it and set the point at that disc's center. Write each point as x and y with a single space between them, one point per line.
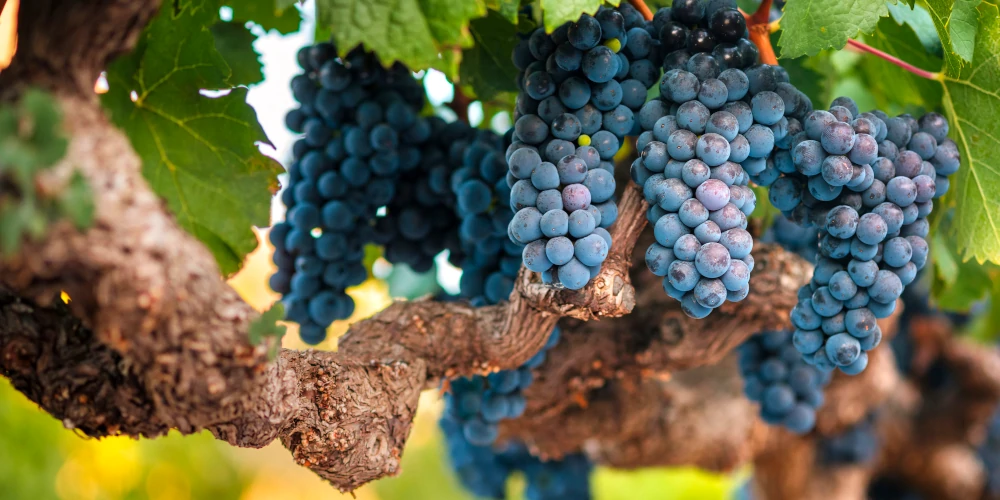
154 339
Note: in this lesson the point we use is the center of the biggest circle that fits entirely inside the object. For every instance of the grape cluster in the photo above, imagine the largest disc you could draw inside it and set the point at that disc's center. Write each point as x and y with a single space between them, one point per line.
867 183
477 404
360 128
420 220
490 261
484 471
708 32
856 445
580 89
565 479
788 389
703 141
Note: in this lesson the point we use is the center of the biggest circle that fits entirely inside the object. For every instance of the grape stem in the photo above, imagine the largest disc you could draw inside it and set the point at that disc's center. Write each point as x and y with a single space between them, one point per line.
643 9
760 32
863 47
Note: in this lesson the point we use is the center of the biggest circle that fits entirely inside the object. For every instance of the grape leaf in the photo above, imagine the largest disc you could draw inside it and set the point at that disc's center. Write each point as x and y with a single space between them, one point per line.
508 9
906 88
487 66
920 21
268 14
235 42
558 12
266 325
962 28
809 26
198 153
972 101
413 32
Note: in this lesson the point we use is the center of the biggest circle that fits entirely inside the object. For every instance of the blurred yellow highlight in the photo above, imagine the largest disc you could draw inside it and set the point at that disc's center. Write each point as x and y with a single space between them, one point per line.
8 32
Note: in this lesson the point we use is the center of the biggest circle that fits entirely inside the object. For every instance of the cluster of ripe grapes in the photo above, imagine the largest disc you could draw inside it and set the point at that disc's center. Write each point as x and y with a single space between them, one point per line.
581 86
713 130
867 182
361 128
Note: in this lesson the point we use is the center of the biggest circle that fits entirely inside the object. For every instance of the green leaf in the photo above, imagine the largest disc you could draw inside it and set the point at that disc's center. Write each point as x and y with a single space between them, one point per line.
487 66
268 14
920 21
77 202
972 102
235 42
962 28
893 85
413 32
559 12
198 153
32 141
266 325
508 9
969 282
809 26
945 262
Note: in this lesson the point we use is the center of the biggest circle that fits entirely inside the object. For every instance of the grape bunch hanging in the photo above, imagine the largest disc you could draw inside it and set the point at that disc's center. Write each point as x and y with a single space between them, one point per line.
711 131
582 85
867 182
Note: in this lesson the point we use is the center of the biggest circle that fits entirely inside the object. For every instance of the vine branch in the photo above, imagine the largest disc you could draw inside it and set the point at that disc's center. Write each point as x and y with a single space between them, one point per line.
863 47
643 9
760 32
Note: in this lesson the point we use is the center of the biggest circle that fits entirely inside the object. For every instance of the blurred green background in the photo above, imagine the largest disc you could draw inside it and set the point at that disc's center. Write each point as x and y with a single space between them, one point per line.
40 459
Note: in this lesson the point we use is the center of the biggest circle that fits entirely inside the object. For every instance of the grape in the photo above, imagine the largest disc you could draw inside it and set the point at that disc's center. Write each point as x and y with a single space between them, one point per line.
886 288
599 64
865 149
531 129
591 250
923 144
742 112
681 145
738 242
679 86
583 34
619 121
580 224
658 259
576 197
842 349
525 226
712 260
901 191
554 223
761 141
572 169
559 250
897 252
548 200
713 194
727 24
713 149
726 125
767 107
